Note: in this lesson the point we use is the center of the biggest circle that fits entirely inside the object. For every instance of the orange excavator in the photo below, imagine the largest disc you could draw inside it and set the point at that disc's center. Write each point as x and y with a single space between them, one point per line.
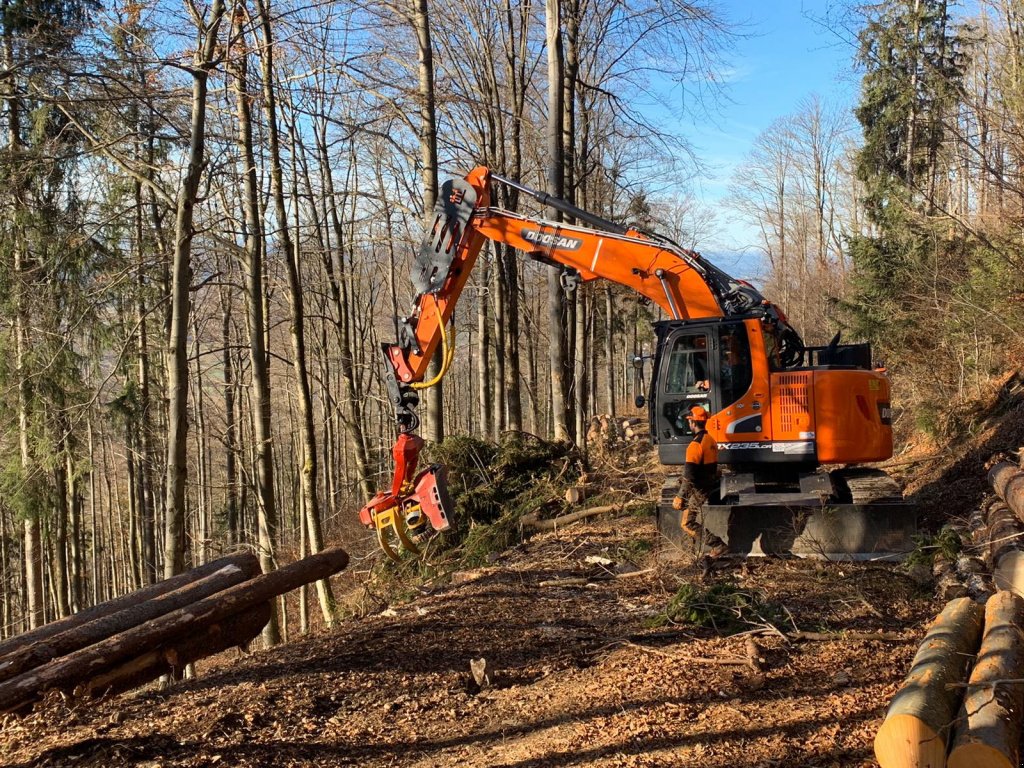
780 411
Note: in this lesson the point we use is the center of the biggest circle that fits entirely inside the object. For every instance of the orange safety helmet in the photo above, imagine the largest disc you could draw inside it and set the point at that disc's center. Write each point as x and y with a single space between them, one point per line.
697 413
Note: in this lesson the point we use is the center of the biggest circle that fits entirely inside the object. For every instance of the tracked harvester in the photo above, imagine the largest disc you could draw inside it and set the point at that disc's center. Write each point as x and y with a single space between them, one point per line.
781 412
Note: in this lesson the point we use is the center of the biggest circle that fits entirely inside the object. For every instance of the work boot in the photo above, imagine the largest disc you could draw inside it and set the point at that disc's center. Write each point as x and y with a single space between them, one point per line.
719 550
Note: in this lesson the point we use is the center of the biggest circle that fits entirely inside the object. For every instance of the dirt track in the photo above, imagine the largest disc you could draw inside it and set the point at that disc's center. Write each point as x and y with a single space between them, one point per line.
579 676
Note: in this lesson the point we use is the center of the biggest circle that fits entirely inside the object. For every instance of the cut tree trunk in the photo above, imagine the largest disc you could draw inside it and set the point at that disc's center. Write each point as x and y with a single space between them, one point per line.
121 603
70 671
38 653
1004 531
948 585
1008 482
577 493
1004 538
915 730
1009 573
989 730
171 658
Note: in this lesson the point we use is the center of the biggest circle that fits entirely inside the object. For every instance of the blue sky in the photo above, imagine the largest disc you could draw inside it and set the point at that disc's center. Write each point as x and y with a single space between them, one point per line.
785 57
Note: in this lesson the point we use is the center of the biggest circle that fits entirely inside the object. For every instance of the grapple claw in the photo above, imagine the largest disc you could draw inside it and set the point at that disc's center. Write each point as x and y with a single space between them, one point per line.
400 518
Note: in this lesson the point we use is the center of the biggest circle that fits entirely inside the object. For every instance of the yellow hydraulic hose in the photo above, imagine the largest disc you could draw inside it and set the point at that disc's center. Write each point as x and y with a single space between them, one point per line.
447 352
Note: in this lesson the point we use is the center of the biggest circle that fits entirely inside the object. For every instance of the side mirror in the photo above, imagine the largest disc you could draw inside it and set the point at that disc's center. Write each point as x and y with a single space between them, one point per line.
638 362
640 401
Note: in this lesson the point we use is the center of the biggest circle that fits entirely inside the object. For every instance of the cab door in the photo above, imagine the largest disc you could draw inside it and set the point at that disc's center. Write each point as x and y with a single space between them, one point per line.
684 376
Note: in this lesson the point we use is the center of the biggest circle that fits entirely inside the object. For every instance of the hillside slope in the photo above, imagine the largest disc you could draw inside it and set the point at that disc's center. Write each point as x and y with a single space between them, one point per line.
580 674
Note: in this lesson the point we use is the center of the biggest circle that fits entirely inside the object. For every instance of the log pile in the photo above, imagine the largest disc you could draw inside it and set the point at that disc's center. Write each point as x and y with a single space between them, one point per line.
135 639
962 704
916 728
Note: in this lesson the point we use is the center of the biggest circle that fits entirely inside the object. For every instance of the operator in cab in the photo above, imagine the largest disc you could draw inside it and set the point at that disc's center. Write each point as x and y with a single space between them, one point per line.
700 475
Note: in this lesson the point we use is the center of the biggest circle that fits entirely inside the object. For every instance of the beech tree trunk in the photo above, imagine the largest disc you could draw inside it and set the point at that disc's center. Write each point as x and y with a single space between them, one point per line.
989 724
76 668
556 186
916 727
181 304
308 469
254 251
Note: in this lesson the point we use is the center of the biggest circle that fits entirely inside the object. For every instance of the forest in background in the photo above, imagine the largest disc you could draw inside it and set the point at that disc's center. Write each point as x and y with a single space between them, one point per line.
208 212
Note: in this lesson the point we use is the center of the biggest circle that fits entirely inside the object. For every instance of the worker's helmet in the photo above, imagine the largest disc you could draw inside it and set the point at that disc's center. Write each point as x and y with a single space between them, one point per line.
697 413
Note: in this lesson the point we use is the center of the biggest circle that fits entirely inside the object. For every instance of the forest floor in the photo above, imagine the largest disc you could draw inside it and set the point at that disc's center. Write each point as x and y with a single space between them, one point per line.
579 676
590 663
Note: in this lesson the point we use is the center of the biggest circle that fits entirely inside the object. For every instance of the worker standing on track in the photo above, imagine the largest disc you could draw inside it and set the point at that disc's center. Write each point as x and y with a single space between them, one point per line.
700 475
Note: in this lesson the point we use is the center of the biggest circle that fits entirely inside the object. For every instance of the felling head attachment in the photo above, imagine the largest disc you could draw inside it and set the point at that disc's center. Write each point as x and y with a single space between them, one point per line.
413 506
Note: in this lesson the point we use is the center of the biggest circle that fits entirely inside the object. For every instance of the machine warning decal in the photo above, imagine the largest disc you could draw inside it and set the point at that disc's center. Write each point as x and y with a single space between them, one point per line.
885 413
551 240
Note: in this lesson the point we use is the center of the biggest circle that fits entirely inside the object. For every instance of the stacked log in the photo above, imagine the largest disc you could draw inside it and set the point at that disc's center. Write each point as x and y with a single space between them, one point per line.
138 638
916 728
1006 530
948 584
989 723
1008 482
989 716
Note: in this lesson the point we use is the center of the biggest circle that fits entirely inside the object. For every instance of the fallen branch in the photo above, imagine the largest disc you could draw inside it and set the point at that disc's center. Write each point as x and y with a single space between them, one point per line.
725 661
532 520
886 637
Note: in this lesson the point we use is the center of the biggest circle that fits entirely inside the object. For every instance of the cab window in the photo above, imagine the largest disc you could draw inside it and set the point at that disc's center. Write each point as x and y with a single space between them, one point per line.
688 371
736 373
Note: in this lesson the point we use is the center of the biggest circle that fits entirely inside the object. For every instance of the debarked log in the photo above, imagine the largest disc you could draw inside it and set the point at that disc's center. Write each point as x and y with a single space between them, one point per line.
68 672
915 731
120 603
38 653
989 724
231 632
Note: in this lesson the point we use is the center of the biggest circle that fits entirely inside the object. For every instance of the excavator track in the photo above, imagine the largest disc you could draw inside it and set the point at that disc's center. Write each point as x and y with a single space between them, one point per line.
868 486
865 519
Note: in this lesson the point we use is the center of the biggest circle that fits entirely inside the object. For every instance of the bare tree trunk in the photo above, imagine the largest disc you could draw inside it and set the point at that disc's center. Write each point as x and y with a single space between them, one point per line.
485 384
230 428
181 305
609 345
291 255
556 187
350 413
263 458
146 511
497 383
420 20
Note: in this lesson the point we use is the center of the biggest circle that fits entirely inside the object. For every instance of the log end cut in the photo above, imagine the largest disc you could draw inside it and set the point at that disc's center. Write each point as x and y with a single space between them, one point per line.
978 756
905 741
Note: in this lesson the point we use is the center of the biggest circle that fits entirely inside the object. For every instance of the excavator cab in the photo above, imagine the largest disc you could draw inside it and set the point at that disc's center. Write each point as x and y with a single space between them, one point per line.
705 363
776 425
